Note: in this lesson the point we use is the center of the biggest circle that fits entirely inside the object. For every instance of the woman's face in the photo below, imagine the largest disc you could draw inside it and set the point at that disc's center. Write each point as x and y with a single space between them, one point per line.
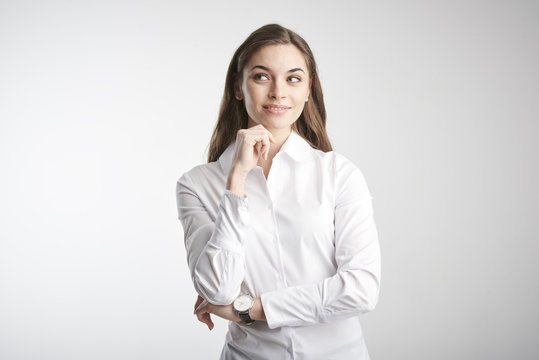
275 83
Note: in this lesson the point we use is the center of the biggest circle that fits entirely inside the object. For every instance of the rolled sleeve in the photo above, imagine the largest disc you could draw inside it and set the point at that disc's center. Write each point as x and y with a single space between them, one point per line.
214 248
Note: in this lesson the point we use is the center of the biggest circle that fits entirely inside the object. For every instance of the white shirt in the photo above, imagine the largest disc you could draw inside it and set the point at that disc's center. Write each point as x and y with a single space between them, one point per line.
304 240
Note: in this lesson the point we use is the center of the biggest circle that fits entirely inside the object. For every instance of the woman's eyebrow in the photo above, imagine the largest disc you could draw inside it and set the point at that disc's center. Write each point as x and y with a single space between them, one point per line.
296 69
267 69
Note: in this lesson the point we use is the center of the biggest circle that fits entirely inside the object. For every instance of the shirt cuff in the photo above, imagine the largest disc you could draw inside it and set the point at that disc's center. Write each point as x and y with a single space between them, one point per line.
232 222
292 306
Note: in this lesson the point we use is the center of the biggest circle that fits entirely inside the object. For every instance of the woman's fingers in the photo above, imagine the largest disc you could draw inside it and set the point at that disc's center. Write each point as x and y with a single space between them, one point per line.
271 138
259 147
208 321
251 145
264 150
198 301
262 140
202 305
266 142
205 318
263 129
202 313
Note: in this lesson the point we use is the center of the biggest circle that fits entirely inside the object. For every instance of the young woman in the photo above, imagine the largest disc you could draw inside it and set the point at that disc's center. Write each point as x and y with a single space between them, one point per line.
279 229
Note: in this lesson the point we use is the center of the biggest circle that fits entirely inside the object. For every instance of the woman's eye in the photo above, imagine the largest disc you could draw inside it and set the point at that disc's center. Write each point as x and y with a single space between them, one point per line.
261 77
294 79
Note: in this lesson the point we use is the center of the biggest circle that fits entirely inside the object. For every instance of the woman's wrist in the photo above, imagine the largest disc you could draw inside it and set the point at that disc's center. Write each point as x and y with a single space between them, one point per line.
236 182
257 311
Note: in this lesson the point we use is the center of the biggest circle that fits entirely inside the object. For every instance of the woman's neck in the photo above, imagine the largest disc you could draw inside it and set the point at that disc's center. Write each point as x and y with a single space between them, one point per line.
280 136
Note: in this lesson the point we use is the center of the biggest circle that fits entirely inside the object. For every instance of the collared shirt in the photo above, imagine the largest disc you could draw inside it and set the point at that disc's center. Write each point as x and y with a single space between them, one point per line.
304 240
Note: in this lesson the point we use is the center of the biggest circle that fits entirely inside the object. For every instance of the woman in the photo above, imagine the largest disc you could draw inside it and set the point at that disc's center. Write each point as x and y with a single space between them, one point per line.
279 230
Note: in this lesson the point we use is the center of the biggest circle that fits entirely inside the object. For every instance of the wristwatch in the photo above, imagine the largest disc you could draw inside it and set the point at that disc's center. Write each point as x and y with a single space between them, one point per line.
242 305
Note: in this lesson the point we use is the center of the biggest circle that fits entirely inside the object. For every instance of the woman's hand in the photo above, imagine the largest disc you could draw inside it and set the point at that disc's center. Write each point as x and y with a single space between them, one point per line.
203 317
203 309
251 144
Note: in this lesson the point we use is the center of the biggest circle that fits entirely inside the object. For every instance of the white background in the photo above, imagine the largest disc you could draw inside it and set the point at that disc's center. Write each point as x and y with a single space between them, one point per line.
104 104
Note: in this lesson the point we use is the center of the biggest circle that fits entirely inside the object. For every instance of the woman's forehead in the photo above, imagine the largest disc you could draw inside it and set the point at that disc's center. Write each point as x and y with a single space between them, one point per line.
277 57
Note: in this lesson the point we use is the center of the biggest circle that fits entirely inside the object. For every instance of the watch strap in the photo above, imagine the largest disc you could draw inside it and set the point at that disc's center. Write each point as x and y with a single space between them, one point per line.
245 318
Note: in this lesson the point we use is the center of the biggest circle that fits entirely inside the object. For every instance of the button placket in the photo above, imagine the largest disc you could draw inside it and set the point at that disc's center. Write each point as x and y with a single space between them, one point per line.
270 195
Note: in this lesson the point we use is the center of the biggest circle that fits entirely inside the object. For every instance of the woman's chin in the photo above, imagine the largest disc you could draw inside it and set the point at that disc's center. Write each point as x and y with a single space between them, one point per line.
276 123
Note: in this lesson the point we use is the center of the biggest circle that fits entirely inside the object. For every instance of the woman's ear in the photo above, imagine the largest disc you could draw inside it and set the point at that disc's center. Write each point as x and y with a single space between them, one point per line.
237 91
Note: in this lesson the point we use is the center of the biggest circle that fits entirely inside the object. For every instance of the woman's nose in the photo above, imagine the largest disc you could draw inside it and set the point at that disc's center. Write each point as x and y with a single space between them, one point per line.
276 90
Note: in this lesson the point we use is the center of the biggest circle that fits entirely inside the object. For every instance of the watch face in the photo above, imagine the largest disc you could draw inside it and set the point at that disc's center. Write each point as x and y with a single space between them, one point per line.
243 303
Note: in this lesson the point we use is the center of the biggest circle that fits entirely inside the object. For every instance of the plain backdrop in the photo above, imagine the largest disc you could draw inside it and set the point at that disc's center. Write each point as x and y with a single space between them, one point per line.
105 104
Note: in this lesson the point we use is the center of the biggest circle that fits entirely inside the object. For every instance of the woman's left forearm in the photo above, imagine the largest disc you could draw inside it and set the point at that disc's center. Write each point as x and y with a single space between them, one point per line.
257 311
204 310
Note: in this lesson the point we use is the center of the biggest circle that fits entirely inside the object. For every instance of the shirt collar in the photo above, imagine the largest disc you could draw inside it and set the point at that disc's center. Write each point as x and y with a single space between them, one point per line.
295 147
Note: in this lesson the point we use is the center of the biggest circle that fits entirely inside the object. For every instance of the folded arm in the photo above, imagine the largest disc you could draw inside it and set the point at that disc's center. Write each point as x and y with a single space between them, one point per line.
214 248
354 288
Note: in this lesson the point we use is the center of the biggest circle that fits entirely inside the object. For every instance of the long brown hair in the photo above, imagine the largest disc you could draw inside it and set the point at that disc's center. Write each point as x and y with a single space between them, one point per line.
311 124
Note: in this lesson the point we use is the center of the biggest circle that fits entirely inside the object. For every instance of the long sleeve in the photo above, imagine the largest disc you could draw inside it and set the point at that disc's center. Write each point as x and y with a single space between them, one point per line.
354 288
214 248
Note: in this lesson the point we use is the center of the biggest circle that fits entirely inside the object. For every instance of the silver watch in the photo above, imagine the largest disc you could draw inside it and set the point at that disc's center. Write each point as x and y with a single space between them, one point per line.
242 305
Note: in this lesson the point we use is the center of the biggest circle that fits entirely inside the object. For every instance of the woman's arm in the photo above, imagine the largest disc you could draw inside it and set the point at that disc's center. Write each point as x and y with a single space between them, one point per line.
354 288
215 249
204 309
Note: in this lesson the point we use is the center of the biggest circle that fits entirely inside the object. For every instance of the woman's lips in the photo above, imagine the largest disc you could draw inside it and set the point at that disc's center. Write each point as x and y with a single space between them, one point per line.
276 109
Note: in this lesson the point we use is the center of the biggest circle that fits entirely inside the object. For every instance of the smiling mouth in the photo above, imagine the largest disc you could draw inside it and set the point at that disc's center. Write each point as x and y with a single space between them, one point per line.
276 109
